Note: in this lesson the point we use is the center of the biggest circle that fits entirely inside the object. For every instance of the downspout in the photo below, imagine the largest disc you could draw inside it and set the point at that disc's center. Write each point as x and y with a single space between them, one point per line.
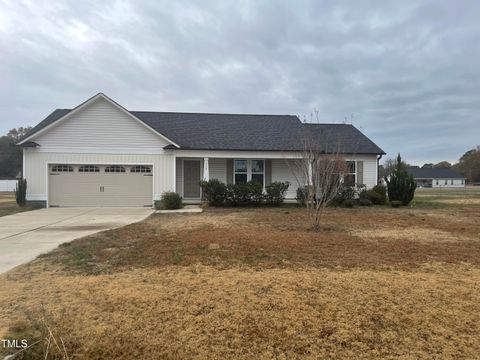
378 165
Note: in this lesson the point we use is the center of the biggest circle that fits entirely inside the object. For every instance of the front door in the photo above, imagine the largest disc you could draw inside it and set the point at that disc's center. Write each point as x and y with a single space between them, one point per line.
191 179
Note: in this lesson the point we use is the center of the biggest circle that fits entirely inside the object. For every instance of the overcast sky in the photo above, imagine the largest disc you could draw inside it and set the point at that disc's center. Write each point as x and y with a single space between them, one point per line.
407 73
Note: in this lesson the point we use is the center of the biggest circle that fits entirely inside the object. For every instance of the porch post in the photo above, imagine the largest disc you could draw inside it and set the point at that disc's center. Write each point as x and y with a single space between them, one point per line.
206 174
310 173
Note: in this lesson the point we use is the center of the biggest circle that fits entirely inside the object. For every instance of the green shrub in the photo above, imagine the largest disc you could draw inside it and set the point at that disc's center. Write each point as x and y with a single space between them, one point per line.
171 200
401 185
396 203
275 192
348 203
382 191
365 202
373 196
214 192
21 192
345 193
302 195
245 194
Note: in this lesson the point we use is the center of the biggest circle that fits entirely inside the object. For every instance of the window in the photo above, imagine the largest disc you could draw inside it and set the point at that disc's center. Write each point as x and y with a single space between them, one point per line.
350 177
140 169
88 168
62 168
258 170
240 169
114 169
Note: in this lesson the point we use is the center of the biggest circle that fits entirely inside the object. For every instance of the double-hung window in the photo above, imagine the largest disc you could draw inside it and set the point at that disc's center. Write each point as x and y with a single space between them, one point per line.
241 171
258 170
350 176
249 170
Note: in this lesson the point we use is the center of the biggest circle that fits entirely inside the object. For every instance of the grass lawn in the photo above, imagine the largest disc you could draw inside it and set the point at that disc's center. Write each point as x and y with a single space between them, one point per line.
8 205
258 283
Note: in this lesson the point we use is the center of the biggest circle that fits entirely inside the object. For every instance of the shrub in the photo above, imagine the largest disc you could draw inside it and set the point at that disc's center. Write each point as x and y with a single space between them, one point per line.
401 185
302 195
345 193
348 203
396 203
21 192
275 192
382 191
365 202
254 193
214 191
373 196
171 200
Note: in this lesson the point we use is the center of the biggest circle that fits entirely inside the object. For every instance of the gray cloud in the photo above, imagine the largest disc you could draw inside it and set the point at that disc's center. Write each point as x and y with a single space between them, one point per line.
407 71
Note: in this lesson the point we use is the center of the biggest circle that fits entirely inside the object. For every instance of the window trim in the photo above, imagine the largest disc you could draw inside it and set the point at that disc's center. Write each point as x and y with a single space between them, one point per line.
249 170
351 173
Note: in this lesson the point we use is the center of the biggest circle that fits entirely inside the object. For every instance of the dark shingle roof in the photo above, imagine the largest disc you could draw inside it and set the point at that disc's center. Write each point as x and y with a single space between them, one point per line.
50 119
432 173
206 131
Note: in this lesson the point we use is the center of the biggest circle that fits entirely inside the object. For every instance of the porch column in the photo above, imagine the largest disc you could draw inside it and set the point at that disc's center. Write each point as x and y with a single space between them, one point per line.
206 174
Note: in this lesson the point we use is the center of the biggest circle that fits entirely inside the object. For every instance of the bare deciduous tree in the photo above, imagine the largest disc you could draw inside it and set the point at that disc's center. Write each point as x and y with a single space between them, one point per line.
320 171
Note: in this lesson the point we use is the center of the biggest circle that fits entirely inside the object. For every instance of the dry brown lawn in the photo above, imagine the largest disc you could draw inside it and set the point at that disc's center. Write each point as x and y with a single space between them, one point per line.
258 283
8 205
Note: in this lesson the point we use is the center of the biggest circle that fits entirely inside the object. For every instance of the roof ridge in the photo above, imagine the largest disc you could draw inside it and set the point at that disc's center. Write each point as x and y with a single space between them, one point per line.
206 113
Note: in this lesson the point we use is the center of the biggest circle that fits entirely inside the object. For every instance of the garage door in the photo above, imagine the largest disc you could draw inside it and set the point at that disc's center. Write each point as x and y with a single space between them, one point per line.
100 185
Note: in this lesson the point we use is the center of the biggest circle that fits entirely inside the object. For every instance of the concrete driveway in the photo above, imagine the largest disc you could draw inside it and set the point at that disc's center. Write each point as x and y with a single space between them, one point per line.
26 235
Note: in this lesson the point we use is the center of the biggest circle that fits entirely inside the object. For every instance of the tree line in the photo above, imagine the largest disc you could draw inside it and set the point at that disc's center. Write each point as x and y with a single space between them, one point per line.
10 154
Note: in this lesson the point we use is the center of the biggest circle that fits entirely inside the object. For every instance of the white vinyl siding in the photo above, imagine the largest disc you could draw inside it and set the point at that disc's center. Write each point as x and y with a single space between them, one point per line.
218 169
100 127
36 168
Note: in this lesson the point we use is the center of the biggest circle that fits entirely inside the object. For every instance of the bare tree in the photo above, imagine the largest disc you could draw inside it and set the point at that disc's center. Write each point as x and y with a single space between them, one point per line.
319 171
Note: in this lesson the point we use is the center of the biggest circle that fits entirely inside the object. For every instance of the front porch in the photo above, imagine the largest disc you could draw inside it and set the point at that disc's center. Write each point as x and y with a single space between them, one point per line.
190 170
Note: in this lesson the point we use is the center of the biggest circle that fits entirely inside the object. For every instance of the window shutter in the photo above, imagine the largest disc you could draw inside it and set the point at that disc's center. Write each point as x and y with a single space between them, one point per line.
229 171
359 179
268 172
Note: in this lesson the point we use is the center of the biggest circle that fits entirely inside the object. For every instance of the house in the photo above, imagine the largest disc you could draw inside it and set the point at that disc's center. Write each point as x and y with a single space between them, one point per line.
437 178
100 154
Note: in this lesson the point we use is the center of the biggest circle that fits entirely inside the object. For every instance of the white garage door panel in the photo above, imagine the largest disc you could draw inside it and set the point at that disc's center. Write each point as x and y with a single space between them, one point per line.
100 188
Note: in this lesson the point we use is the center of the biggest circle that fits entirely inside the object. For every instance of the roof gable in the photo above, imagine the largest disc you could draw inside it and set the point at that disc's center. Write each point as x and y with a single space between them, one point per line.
61 115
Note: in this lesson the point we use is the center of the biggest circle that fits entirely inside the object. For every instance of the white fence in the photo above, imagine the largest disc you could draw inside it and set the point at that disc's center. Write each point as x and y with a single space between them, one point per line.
8 185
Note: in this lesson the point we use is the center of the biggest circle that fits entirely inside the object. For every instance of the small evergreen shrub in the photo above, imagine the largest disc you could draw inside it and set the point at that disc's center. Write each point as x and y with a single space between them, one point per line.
171 201
373 196
400 184
21 192
254 193
275 193
302 195
365 202
396 203
345 193
382 191
214 192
